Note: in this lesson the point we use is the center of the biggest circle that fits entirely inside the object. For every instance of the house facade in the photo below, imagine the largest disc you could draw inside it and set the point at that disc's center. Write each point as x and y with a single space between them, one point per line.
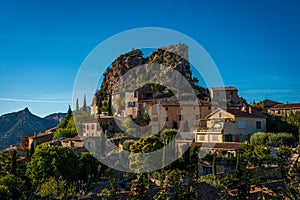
91 128
284 109
231 125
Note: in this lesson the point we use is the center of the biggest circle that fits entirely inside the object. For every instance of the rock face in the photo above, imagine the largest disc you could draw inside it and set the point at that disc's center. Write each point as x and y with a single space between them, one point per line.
173 56
14 125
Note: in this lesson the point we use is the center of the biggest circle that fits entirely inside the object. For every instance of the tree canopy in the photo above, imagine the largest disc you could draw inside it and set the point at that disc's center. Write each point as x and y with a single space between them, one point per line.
53 161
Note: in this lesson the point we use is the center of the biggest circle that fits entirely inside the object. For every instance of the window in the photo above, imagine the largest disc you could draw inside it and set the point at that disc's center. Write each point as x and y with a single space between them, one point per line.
209 108
258 124
220 115
131 104
166 108
201 137
155 119
242 124
167 119
93 126
228 138
214 138
179 117
135 94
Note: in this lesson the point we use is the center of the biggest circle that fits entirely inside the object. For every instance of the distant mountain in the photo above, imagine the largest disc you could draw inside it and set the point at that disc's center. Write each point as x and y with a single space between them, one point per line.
16 124
57 117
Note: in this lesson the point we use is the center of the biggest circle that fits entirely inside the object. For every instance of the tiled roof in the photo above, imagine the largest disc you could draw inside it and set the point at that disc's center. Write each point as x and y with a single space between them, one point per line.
239 113
221 145
41 135
269 103
76 138
286 106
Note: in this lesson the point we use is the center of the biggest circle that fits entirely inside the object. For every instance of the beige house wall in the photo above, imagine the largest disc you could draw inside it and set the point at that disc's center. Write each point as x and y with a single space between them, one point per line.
244 132
283 112
91 129
223 126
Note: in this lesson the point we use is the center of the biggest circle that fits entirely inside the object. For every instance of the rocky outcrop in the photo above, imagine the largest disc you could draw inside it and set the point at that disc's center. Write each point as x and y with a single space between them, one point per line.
172 57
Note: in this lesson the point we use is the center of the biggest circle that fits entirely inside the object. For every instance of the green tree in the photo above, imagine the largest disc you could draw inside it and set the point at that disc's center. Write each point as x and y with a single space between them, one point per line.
214 168
70 114
77 105
53 161
127 143
84 107
4 193
14 163
5 163
272 139
144 146
109 107
129 125
53 188
140 186
168 136
14 185
88 165
291 180
68 130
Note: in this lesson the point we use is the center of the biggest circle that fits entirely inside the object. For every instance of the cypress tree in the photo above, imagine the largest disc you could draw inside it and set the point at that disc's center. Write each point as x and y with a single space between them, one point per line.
214 168
77 105
109 106
84 104
14 163
69 115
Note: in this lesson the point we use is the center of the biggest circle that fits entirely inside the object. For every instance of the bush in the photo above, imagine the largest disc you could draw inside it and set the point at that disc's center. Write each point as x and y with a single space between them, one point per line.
65 132
127 144
273 139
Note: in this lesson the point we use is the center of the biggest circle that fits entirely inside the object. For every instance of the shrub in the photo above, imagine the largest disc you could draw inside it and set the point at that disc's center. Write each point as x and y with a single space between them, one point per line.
272 139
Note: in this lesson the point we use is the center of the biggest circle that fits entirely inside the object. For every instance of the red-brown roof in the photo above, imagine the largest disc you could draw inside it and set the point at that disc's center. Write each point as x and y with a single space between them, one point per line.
239 113
286 106
76 138
41 135
269 103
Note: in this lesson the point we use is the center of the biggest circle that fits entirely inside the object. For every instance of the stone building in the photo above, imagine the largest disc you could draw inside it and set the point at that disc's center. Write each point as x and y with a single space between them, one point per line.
284 109
231 125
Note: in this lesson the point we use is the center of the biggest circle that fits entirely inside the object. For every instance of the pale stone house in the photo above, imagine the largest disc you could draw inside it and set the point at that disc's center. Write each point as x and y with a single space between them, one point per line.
284 109
231 125
91 128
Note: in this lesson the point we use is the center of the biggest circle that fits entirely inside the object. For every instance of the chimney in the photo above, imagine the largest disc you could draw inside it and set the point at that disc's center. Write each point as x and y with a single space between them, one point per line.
250 110
35 134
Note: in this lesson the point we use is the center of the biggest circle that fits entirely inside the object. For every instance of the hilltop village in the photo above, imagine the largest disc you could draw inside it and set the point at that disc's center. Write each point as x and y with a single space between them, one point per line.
234 150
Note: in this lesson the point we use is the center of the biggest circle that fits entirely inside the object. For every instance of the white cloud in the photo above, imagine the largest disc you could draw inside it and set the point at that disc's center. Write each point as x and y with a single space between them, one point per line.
33 100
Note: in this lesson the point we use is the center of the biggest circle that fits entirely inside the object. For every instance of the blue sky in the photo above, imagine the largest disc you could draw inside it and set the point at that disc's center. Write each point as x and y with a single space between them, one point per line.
255 44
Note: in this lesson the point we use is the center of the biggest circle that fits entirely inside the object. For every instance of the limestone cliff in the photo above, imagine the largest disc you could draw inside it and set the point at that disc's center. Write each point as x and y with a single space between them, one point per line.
173 56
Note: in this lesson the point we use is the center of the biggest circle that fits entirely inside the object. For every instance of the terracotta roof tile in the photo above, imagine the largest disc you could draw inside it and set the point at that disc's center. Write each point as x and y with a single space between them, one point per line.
286 106
239 113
